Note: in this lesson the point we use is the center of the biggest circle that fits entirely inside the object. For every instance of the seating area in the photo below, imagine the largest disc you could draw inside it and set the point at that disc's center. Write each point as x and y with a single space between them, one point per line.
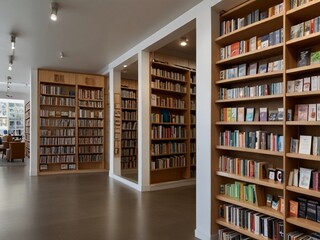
12 150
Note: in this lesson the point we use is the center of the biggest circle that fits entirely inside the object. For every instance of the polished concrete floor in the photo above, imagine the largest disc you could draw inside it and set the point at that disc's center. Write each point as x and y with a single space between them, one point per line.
91 207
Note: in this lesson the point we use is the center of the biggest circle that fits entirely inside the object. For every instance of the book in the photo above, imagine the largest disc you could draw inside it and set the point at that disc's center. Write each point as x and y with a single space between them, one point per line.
312 116
295 177
235 49
290 181
303 112
273 115
298 85
293 208
253 44
306 84
302 207
249 114
272 174
290 86
294 143
314 83
241 114
318 111
315 57
280 114
269 200
305 144
312 210
279 175
289 114
263 114
305 177
242 70
275 205
304 58
253 68
263 65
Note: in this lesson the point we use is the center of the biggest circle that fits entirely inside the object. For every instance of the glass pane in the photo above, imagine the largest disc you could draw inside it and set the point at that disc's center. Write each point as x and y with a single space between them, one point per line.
3 109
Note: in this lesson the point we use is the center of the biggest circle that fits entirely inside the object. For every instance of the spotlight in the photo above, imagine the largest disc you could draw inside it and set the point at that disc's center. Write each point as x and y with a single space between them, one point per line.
10 62
54 11
184 42
13 41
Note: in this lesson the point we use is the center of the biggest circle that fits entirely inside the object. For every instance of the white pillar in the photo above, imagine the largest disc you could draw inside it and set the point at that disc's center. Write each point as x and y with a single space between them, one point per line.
33 170
203 104
143 121
115 87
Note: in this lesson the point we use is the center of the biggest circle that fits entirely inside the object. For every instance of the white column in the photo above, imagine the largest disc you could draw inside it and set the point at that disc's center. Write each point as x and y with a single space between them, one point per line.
115 87
33 170
143 121
204 95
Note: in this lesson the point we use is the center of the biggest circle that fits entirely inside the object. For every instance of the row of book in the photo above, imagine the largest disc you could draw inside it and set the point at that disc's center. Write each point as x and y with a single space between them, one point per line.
299 235
128 164
58 132
90 113
241 114
170 86
129 134
170 102
307 57
305 208
60 141
129 125
90 132
229 26
168 148
50 113
251 44
90 123
193 147
251 91
304 84
91 158
240 191
254 140
193 105
129 104
56 90
45 122
128 94
305 178
90 149
128 152
128 143
227 234
193 119
243 167
193 89
306 112
90 140
91 94
193 160
129 116
193 132
306 144
297 3
91 104
57 159
254 68
305 28
158 132
167 117
168 74
57 101
58 150
169 162
257 223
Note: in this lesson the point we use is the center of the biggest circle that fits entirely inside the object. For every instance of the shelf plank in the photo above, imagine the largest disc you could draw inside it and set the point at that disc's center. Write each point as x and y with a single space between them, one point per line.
306 69
252 77
261 209
64 106
308 192
169 91
57 95
91 100
168 79
304 223
90 107
166 123
267 123
100 161
223 222
303 123
257 54
303 156
303 94
250 150
131 109
309 40
168 139
250 98
305 11
169 154
128 88
172 108
166 169
127 120
131 98
262 182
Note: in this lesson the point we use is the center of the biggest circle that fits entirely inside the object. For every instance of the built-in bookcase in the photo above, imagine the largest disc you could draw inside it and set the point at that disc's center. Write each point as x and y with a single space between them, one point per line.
27 129
265 88
71 122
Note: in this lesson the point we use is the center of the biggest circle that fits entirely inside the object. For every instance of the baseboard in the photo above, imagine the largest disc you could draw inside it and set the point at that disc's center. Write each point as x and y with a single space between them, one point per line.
173 184
125 181
203 236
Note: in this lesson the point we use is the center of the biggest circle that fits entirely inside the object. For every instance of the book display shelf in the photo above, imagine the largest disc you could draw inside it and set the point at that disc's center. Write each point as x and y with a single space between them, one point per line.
172 128
266 117
71 123
129 130
27 129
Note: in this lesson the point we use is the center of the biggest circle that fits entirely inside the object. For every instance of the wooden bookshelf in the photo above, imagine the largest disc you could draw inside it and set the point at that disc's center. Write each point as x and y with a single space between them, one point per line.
71 123
173 99
288 50
27 129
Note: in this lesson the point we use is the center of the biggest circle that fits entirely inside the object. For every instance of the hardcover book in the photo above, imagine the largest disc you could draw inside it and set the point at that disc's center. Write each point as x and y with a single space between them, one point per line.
253 68
303 112
263 67
302 207
312 210
315 57
293 208
298 85
306 84
249 114
305 177
290 86
304 58
241 114
312 112
273 115
263 114
305 144
242 70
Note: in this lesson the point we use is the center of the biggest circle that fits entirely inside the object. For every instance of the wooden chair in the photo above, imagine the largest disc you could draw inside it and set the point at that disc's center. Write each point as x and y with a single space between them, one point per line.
16 151
5 144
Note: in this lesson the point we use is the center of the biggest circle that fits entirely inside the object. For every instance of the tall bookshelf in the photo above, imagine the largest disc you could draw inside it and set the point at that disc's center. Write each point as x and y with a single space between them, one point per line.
71 122
170 122
27 129
129 130
193 92
248 74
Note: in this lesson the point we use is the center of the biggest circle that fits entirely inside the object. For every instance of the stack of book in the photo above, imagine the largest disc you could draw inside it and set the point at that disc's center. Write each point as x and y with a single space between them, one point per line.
305 208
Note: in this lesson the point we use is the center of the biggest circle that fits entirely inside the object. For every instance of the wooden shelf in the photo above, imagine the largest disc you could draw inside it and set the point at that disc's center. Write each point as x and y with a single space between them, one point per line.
127 120
168 139
55 163
304 223
64 106
308 192
303 94
90 107
311 39
250 150
223 222
254 123
169 91
91 153
90 144
130 98
57 95
128 88
130 109
56 154
60 145
91 118
268 97
253 55
254 77
165 169
165 123
169 154
172 108
303 123
90 127
302 70
304 12
261 209
61 117
168 79
262 182
100 161
303 156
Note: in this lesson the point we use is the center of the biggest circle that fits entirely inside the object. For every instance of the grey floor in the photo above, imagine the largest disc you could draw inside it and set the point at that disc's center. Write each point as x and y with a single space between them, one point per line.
90 206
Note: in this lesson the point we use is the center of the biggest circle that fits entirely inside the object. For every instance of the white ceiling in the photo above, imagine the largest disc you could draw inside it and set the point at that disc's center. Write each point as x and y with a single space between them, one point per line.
91 33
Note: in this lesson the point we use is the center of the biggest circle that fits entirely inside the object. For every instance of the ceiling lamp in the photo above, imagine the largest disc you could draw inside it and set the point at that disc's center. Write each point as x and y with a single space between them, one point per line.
184 42
10 62
13 41
54 11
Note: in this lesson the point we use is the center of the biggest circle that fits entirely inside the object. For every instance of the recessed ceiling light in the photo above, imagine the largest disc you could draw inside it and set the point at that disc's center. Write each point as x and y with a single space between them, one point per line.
54 11
125 65
184 42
